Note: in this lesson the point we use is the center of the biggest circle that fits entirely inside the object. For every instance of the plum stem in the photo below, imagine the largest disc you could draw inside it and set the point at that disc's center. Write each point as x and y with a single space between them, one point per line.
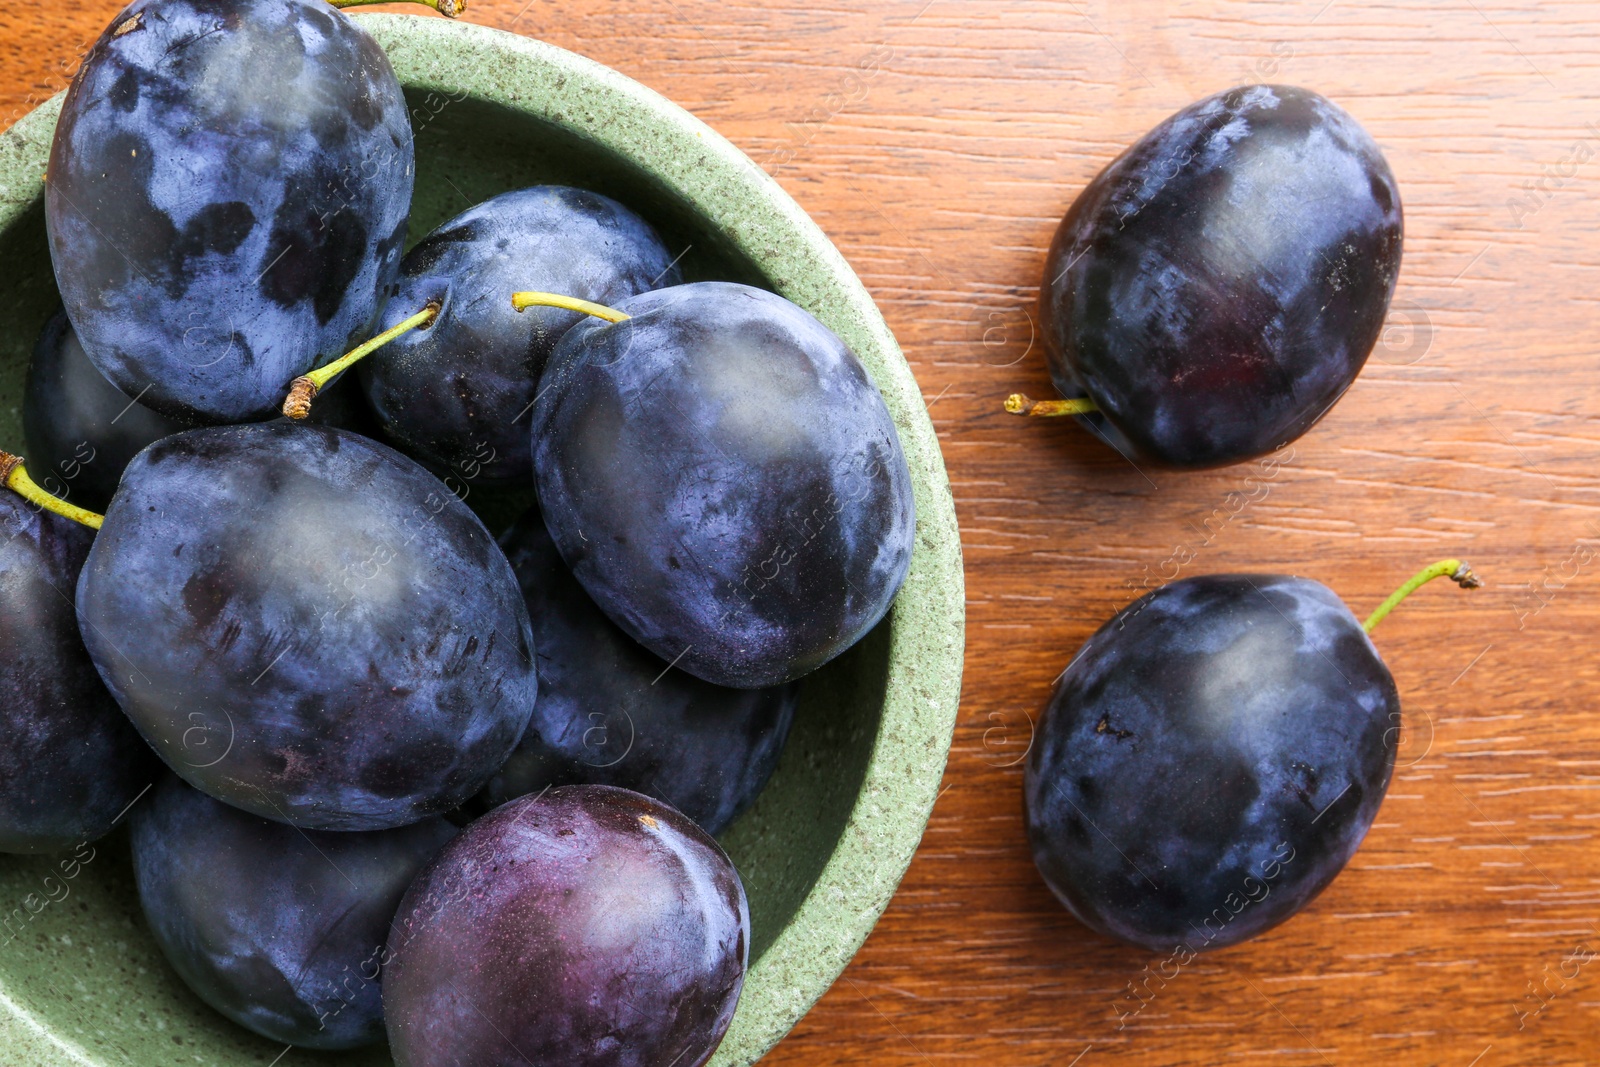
304 389
448 8
1020 404
1454 569
15 477
524 301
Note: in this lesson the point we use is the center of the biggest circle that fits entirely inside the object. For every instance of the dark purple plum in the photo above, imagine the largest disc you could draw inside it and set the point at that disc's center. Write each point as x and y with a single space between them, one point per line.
610 713
725 481
306 624
587 927
1219 285
71 762
227 199
1210 760
458 394
281 930
80 429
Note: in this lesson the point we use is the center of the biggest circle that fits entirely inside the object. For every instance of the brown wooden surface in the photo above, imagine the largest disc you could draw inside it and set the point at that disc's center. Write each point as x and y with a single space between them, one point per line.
938 144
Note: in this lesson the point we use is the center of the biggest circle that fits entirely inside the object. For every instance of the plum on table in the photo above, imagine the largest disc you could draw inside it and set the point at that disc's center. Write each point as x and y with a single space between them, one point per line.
1212 758
1219 285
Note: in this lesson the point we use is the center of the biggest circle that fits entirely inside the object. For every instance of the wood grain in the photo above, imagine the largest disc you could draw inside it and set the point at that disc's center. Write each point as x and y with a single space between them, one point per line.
938 143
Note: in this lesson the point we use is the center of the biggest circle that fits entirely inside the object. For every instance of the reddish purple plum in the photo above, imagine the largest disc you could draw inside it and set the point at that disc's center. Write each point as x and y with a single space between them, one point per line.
588 926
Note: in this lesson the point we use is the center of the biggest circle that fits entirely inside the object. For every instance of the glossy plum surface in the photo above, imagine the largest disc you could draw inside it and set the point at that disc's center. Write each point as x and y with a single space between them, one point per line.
227 199
279 929
610 713
71 762
725 481
1210 760
1220 284
588 927
459 394
81 430
306 624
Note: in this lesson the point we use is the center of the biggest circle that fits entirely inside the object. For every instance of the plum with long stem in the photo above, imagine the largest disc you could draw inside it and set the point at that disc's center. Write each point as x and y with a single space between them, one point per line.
1212 757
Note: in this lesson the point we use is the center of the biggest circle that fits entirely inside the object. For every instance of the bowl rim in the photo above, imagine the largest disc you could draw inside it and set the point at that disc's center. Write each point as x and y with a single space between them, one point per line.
758 218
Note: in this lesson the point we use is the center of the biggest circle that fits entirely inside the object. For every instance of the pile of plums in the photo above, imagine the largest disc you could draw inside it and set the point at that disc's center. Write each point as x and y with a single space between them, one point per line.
388 774
1213 756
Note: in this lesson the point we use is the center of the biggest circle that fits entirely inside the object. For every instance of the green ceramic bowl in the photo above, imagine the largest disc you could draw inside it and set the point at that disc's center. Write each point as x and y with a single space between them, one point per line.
822 850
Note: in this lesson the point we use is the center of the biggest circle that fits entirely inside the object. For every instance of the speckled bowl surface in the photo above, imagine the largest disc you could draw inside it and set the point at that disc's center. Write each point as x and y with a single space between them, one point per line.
81 980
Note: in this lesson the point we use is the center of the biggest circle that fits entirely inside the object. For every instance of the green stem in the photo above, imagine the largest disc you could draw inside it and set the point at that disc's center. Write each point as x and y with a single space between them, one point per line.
448 8
304 389
15 477
1019 404
523 301
1454 569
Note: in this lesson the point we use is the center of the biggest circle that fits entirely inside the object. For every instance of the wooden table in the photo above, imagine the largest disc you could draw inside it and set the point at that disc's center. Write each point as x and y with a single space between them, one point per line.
938 143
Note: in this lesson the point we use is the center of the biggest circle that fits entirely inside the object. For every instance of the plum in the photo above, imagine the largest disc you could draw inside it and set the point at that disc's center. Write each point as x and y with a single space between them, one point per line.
81 430
1212 757
457 395
227 199
610 713
72 763
724 480
308 625
587 926
1219 285
279 929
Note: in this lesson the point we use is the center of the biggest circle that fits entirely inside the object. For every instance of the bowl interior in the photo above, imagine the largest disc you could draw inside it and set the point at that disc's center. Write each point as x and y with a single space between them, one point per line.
82 981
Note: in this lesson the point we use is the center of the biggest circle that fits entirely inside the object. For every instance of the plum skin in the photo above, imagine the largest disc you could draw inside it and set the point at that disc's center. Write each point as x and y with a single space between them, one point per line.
71 762
610 713
1210 760
458 394
81 430
227 199
725 481
588 926
306 624
1219 285
279 929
